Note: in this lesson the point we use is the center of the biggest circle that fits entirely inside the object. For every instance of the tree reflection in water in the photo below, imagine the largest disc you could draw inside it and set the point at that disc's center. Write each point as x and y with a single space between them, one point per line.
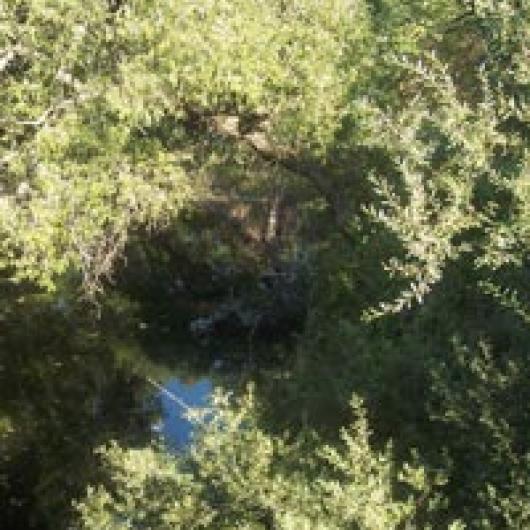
62 393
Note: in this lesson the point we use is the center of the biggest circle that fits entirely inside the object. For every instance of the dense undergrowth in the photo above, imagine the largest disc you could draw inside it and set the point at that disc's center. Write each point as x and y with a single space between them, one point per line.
339 187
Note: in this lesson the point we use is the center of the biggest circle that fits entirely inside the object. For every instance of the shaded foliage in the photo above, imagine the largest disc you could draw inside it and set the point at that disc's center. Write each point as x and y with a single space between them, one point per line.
195 151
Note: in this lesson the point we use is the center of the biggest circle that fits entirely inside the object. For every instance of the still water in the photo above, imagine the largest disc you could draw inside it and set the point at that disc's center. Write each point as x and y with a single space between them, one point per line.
173 427
65 391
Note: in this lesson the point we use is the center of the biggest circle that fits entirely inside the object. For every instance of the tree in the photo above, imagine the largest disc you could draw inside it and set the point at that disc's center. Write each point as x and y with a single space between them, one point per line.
113 117
238 476
406 151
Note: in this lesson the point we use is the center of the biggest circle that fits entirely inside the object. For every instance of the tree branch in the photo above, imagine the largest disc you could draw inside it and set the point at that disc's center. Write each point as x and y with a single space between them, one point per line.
228 125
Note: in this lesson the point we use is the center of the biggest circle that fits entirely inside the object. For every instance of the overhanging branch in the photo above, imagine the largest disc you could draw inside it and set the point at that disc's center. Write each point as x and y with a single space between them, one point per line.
228 126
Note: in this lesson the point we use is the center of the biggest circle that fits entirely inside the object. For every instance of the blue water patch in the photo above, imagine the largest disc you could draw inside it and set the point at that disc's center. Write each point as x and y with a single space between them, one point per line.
174 428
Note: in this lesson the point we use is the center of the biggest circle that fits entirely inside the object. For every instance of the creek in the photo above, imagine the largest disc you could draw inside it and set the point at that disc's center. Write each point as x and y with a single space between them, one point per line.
65 391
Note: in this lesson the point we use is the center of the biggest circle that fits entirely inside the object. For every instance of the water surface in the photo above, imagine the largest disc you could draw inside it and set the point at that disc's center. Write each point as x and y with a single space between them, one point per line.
173 426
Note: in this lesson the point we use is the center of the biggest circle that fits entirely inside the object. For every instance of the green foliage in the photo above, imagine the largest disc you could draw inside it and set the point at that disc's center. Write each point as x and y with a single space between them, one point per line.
397 133
99 111
61 394
238 476
482 403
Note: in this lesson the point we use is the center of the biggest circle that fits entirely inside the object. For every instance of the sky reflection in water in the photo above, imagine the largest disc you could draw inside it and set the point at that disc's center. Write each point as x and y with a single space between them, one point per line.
175 429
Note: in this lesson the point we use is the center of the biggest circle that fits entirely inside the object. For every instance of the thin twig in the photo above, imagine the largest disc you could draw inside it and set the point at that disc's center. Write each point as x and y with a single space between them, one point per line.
169 394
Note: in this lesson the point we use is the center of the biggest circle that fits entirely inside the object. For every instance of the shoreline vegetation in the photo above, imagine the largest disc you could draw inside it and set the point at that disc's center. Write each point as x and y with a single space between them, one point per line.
319 208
